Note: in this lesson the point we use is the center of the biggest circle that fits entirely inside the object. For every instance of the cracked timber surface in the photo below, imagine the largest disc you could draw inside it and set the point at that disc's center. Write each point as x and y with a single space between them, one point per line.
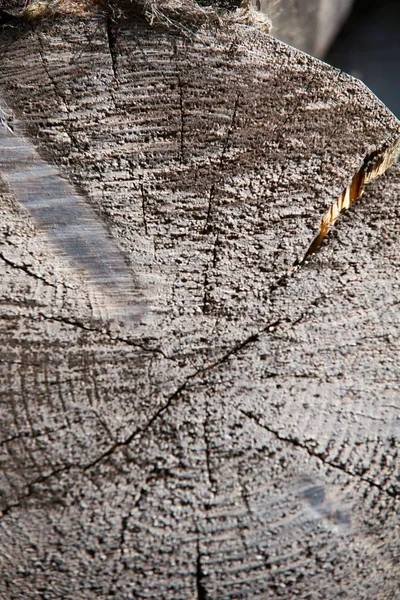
242 441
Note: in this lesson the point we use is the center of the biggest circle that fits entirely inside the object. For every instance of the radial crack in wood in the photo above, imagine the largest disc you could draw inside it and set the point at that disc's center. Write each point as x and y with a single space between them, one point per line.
245 442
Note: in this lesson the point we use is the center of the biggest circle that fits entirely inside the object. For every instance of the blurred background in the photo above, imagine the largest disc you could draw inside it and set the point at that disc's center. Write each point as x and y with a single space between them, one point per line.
368 47
361 37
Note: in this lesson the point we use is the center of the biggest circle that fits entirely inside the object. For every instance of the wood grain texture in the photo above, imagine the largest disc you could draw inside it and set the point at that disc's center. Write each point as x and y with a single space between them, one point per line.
244 443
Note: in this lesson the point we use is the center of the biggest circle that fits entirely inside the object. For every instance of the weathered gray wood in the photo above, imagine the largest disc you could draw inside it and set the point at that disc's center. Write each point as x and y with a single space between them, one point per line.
243 443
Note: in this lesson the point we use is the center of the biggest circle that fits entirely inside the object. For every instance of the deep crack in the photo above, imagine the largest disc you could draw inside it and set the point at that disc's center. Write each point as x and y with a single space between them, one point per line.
26 270
112 44
318 455
202 593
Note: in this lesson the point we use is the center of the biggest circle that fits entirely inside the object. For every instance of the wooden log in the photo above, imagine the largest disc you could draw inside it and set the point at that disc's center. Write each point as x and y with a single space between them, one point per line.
242 441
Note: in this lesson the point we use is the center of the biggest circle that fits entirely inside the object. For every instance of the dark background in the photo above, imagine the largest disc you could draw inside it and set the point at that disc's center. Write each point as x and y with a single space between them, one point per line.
368 47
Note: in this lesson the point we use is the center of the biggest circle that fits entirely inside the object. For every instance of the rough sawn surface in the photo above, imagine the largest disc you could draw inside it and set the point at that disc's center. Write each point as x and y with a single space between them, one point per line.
243 441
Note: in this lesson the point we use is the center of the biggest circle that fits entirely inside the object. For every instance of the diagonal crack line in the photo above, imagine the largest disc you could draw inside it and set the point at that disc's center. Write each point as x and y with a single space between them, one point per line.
318 455
269 328
57 91
103 331
30 435
141 430
30 488
26 270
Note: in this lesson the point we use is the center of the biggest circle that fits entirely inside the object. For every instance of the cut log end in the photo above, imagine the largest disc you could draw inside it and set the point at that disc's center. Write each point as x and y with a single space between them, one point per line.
245 444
